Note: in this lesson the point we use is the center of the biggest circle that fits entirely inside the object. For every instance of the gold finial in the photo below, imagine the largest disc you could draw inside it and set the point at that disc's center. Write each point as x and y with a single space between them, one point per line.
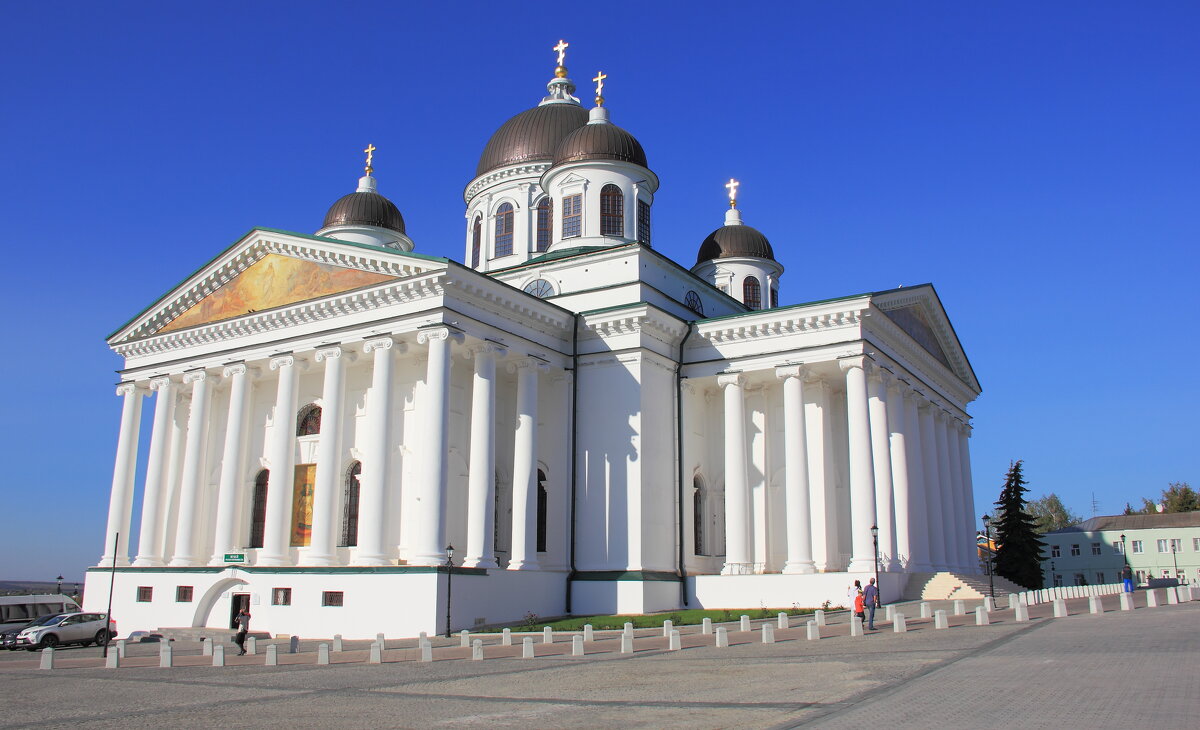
733 186
370 150
560 71
599 79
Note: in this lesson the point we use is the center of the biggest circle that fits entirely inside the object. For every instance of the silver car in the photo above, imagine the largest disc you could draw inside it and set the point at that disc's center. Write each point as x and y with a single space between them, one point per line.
70 628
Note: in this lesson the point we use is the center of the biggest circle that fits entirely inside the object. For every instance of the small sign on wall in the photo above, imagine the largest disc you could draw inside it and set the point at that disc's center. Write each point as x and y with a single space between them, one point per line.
235 557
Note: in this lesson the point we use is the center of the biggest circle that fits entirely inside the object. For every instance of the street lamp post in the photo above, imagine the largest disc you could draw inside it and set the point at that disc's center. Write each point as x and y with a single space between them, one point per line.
59 590
987 529
875 540
1053 582
1175 549
449 584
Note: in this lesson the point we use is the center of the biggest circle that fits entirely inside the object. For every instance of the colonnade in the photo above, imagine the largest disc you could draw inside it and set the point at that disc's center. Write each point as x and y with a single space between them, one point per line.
181 490
909 475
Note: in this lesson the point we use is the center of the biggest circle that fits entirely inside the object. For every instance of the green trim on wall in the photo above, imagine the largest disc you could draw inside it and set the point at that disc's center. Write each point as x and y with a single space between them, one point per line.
338 569
627 575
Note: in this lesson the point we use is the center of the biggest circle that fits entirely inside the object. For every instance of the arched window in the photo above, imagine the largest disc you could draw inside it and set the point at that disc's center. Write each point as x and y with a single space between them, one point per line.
572 216
545 220
698 500
541 511
476 236
692 301
308 423
612 211
540 288
643 222
752 293
350 506
504 230
258 509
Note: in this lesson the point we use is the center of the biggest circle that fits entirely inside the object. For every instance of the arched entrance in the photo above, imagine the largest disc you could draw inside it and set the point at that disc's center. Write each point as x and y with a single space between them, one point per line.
209 601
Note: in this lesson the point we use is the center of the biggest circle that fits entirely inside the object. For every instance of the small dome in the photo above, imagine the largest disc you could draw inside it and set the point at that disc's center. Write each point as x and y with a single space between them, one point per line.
600 142
365 208
733 242
531 135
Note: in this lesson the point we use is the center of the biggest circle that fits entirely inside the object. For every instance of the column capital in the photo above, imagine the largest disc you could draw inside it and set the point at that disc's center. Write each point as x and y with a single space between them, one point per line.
900 385
160 383
384 342
730 379
440 332
783 372
862 362
195 376
528 362
234 368
333 352
687 386
283 361
127 388
485 348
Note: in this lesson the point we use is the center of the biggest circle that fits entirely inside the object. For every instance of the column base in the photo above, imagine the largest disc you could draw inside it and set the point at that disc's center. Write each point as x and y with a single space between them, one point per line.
428 559
322 561
107 562
486 563
801 568
859 565
183 561
147 562
919 568
737 569
372 560
523 565
271 561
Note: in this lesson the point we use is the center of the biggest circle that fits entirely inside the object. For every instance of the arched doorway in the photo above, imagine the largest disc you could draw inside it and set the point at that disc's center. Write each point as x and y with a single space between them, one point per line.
211 600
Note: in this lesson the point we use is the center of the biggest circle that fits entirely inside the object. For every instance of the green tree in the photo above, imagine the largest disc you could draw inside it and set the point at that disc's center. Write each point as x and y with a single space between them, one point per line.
1019 554
1049 514
1180 497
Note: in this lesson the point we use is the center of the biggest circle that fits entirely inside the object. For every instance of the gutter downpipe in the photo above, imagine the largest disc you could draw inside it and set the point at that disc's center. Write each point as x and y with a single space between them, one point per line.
574 443
683 595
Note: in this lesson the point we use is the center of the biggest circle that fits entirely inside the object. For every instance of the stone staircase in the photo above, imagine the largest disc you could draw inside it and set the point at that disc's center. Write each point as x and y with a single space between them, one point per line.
948 586
193 633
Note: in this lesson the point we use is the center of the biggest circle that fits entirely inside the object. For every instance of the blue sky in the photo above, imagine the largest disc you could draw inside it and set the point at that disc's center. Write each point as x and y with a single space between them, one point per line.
1038 162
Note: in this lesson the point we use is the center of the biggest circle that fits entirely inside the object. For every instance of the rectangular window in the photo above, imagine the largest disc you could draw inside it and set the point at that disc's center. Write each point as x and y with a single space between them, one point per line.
1055 551
1196 544
1137 546
1075 551
331 598
572 216
774 298
643 222
545 221
1095 548
281 596
1141 576
145 594
1162 546
1176 545
1119 548
1100 577
183 594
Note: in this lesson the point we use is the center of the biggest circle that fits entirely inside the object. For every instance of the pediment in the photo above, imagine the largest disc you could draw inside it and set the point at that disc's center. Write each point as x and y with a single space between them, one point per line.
267 270
919 313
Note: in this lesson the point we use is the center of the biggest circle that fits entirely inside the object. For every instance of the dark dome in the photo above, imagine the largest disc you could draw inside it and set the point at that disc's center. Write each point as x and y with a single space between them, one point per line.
735 241
365 208
531 135
600 142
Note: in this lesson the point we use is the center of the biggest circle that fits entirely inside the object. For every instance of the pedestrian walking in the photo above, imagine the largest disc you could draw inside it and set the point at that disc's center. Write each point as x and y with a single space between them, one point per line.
1127 578
854 589
242 621
871 599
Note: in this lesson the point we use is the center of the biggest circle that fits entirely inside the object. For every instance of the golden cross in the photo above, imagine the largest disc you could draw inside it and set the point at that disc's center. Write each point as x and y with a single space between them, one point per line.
733 186
599 79
561 48
370 150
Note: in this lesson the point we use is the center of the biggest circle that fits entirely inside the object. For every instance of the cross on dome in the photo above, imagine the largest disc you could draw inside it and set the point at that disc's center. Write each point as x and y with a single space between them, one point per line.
733 186
370 150
561 48
599 79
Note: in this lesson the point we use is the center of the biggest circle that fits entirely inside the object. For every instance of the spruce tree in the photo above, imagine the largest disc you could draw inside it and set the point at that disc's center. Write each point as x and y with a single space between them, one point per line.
1019 555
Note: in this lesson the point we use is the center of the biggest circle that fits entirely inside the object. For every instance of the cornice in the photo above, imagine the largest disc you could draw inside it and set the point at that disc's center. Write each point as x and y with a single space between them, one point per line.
768 323
490 178
940 326
633 320
897 342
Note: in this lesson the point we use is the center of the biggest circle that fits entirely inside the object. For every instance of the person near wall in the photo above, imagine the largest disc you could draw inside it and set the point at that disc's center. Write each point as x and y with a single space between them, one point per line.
242 621
1127 578
871 599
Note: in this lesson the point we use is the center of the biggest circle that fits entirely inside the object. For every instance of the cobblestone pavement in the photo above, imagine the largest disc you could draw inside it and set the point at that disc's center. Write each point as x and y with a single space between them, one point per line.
1119 669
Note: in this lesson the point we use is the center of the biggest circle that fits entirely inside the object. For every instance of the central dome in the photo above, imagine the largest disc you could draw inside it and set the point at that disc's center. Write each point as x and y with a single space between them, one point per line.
735 242
531 136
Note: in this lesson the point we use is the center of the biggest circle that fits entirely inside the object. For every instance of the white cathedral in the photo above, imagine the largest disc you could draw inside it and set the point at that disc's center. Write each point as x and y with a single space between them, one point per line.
346 431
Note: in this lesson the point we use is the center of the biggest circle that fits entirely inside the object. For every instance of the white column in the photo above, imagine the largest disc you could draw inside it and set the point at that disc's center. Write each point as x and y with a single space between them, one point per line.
481 475
962 522
377 445
798 516
524 489
232 464
193 470
327 483
933 491
150 535
737 491
120 499
918 507
964 460
950 502
901 494
429 547
281 456
862 473
826 553
881 456
168 512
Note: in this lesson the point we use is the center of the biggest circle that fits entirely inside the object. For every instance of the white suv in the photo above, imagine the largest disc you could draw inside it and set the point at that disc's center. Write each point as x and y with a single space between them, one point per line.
70 628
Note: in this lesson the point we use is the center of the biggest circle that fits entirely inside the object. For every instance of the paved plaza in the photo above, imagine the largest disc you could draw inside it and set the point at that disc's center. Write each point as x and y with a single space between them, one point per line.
1118 669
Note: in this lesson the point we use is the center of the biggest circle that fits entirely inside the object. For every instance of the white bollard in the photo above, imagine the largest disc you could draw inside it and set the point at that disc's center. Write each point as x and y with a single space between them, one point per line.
626 642
464 638
1185 594
926 611
47 660
899 624
547 635
1152 599
322 653
1172 596
745 623
1013 600
988 604
121 647
768 634
627 632
506 637
251 645
1194 593
668 627
477 650
856 626
527 648
589 634
166 655
960 608
294 645
1060 608
376 655
577 645
940 621
814 631
337 642
981 616
722 639
673 643
628 628
1022 613
706 626
819 616
784 621
426 651
205 646
380 639
422 635
272 659
113 660
218 655
889 612
1094 605
1126 602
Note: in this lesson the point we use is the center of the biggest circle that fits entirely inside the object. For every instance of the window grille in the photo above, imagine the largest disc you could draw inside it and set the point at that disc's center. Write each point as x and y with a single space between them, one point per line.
331 598
752 293
476 236
545 221
572 216
643 209
504 230
612 211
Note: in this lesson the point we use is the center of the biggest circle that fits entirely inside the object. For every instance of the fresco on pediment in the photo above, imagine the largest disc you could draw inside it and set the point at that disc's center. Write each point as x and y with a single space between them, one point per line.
912 320
274 281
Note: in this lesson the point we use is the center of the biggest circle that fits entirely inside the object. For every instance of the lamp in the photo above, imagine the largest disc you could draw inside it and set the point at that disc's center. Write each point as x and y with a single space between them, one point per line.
875 542
991 556
449 583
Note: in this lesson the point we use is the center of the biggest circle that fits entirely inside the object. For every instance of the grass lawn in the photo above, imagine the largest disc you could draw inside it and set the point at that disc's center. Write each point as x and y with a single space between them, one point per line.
679 618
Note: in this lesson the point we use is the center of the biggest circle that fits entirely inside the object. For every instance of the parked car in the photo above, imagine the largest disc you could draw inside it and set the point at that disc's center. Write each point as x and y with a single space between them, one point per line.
8 637
70 628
